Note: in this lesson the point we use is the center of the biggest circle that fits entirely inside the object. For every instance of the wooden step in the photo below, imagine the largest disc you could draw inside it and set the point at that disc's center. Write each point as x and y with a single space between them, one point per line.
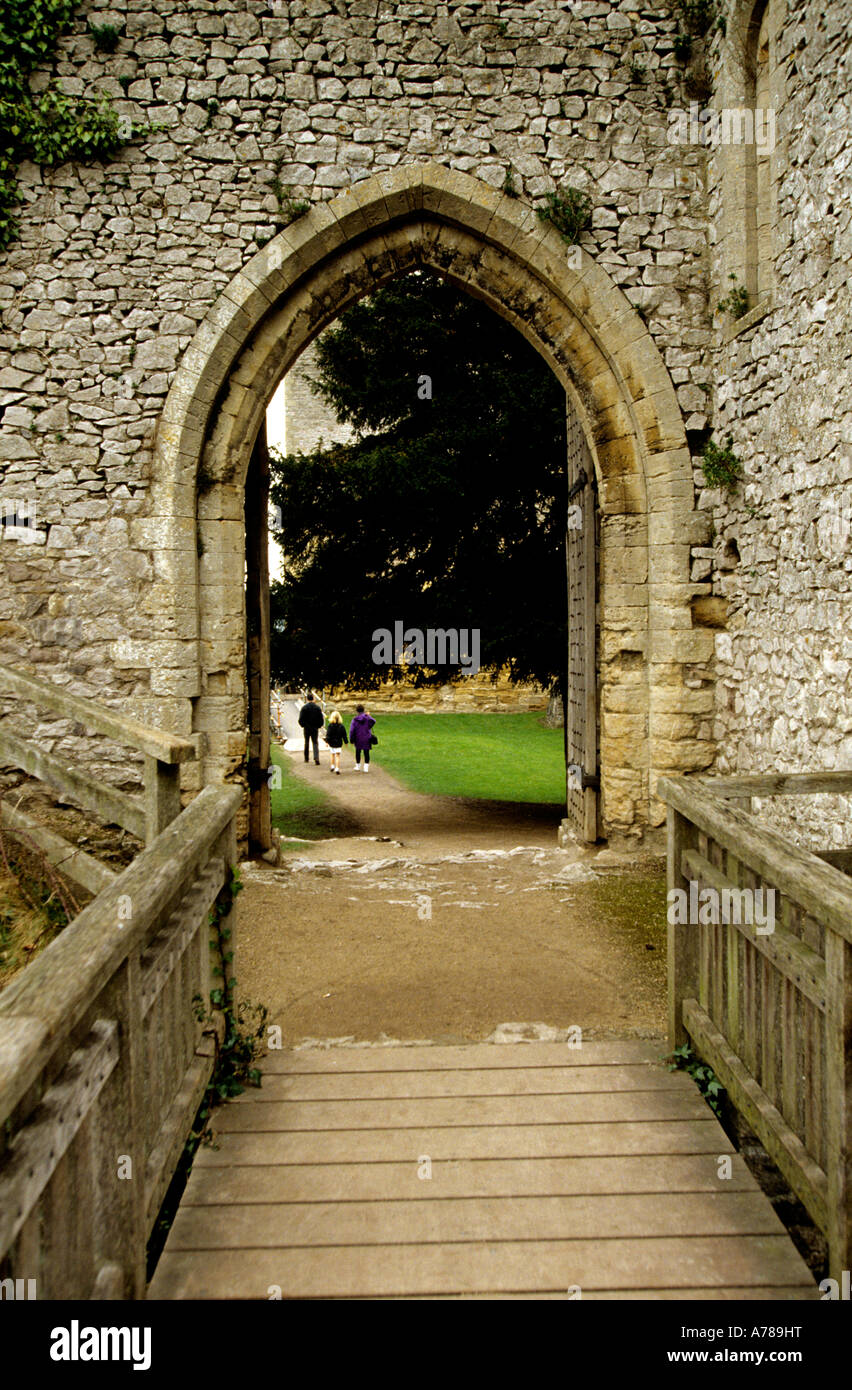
484 1141
594 1053
530 1177
255 1116
436 1220
471 1081
503 1267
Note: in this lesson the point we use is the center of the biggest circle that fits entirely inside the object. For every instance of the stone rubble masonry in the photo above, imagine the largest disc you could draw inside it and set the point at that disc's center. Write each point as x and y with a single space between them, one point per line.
472 695
781 545
129 274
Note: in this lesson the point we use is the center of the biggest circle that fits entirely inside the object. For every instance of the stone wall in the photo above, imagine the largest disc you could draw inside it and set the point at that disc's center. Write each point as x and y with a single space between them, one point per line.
118 264
472 695
308 421
782 388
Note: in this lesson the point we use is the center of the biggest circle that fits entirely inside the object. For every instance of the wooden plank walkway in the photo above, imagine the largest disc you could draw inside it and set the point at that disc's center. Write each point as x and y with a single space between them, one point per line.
552 1169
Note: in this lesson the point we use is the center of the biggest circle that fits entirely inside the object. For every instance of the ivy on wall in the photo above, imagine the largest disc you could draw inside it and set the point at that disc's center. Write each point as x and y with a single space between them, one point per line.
48 127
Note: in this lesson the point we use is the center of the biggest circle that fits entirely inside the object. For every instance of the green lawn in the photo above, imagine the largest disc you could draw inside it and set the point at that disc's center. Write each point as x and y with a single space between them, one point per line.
298 809
491 757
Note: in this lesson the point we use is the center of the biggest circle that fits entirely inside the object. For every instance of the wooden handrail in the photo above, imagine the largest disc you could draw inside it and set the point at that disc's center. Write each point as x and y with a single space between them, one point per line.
820 888
45 1002
771 1013
776 784
106 802
111 1032
144 816
154 743
69 859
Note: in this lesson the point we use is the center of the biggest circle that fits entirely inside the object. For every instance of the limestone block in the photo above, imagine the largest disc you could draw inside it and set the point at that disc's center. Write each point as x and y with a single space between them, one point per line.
673 727
676 698
130 652
175 682
695 644
623 565
678 525
682 755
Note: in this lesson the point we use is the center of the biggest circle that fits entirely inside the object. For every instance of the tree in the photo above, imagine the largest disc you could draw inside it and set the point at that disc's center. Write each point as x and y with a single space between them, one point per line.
447 511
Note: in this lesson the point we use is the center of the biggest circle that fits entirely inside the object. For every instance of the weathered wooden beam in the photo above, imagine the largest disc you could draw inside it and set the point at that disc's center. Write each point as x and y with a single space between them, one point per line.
681 938
824 892
838 1104
591 794
109 1283
39 1145
226 848
839 859
164 951
790 956
106 802
67 858
257 643
784 1147
776 784
117 1222
168 748
162 796
163 1158
67 977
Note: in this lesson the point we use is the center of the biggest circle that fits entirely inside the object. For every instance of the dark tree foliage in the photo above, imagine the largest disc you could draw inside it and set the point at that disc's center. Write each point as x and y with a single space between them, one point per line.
446 512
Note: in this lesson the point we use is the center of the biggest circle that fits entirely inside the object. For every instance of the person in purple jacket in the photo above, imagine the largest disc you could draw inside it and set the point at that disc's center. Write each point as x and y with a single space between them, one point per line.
361 736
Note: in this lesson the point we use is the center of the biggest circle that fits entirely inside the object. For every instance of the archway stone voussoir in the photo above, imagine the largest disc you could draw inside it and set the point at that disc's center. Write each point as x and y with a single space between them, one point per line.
253 299
582 324
402 191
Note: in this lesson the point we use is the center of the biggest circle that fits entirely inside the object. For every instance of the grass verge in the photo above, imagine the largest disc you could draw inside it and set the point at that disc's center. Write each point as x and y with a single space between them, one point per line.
303 811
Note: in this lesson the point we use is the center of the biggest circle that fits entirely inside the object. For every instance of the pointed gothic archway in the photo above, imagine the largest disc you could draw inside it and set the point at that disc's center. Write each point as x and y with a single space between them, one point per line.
618 390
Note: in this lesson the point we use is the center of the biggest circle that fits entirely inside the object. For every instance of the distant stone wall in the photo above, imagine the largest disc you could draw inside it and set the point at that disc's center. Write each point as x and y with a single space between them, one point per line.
308 420
474 694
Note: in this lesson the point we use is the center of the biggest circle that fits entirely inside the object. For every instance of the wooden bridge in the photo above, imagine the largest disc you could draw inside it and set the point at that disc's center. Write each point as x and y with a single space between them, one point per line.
532 1169
490 1170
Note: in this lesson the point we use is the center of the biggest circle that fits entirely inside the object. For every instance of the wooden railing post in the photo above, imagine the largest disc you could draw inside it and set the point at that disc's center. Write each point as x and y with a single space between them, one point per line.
162 796
225 848
682 938
838 1097
119 1217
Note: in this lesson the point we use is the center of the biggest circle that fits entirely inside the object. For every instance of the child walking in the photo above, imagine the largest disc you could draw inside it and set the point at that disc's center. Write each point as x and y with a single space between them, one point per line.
360 732
335 737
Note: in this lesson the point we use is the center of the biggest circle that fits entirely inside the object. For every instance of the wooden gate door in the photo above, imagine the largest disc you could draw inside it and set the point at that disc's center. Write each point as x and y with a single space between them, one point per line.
257 644
581 715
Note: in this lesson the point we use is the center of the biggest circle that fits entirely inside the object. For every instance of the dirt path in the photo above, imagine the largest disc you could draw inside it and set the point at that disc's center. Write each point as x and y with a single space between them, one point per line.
378 805
456 920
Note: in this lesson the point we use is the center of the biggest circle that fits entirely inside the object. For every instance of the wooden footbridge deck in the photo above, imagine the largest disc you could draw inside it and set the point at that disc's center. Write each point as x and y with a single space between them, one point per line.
555 1172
